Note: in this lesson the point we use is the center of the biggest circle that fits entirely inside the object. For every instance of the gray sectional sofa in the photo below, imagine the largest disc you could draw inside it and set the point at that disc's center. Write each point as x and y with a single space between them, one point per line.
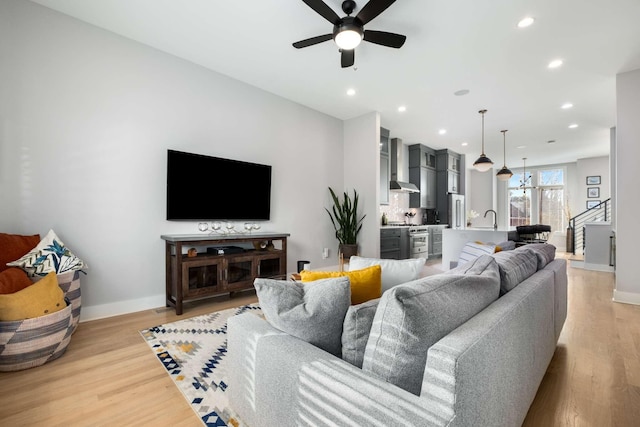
468 347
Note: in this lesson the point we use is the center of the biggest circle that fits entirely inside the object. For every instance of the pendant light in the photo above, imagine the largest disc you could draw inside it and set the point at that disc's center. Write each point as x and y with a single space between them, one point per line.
504 174
483 163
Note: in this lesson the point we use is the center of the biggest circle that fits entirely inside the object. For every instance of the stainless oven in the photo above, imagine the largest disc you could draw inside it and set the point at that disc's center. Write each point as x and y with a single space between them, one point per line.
419 242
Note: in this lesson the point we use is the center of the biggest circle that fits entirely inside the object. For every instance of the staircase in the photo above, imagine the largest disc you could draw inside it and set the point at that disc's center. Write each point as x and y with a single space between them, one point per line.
600 212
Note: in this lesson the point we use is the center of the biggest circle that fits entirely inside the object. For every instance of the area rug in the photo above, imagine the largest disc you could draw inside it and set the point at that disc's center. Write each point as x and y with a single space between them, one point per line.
194 353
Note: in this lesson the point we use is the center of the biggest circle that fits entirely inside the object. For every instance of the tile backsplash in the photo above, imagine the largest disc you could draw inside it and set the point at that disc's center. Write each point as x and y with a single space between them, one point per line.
398 205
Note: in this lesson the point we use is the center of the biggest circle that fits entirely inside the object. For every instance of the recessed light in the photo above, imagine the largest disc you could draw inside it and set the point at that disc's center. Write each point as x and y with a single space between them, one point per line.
351 92
573 126
442 131
555 63
464 144
521 146
567 105
525 22
402 108
461 92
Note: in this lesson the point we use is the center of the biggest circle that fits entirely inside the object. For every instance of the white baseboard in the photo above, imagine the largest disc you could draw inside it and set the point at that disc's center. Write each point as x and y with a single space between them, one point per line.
576 263
95 312
626 297
598 267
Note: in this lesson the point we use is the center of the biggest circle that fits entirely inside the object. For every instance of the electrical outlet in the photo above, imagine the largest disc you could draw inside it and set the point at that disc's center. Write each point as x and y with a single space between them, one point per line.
325 253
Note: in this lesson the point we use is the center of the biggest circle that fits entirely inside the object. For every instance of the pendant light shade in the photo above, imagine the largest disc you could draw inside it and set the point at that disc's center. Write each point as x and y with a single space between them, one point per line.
483 163
504 174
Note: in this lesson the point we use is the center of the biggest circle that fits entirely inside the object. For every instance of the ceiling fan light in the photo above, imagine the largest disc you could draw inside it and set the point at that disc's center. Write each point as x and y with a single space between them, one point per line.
504 174
348 38
483 163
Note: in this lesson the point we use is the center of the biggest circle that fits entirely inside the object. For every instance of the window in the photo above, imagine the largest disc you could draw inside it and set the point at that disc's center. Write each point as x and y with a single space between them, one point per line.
537 198
519 202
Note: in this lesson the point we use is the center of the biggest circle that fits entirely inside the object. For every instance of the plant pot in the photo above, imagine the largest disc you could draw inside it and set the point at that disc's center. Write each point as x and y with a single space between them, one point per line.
569 241
348 251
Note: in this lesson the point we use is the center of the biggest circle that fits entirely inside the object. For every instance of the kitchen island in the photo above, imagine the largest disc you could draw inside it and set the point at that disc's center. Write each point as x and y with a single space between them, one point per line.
453 240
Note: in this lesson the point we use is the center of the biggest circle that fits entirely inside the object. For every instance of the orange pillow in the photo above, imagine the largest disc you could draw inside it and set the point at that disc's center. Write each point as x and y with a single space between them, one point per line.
15 246
366 284
13 280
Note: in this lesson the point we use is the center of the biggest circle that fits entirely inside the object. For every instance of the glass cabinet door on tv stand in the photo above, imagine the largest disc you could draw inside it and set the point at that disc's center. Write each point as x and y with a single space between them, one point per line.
211 274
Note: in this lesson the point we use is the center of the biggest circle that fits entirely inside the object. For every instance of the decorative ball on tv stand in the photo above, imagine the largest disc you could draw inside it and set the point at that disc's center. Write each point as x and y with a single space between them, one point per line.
260 246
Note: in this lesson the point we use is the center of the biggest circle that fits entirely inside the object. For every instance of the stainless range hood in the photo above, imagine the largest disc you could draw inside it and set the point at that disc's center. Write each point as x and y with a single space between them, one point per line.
397 182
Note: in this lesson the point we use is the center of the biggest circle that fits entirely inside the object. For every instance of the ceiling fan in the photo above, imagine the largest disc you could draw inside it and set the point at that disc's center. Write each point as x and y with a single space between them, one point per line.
349 31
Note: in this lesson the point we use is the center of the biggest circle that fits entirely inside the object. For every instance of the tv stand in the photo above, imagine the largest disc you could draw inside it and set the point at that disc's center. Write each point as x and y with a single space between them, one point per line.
211 274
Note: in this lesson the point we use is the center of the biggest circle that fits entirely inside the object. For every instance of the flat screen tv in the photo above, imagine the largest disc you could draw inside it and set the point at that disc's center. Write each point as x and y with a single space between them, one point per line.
206 188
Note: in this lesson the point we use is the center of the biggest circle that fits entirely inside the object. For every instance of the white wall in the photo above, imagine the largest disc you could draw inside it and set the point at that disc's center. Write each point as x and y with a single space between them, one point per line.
595 166
481 196
612 175
627 201
361 164
86 118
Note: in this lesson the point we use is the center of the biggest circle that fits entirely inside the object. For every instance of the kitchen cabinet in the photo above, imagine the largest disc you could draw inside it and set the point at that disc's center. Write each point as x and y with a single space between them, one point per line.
394 243
453 182
384 166
422 173
448 165
435 241
450 180
421 155
404 243
425 179
390 243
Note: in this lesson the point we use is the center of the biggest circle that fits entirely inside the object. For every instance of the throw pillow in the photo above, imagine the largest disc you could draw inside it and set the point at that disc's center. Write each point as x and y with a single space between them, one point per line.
515 267
394 271
13 280
355 331
545 252
507 245
50 255
412 317
473 267
365 284
312 311
42 298
473 250
14 246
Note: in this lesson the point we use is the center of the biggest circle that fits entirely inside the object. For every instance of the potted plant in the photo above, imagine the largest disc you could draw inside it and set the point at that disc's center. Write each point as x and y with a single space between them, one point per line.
344 217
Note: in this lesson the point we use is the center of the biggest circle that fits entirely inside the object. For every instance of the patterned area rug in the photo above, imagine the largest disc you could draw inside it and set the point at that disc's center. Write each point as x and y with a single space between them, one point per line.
193 351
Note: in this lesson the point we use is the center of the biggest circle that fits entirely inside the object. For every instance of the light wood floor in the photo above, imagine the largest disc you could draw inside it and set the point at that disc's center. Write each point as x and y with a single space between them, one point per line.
109 377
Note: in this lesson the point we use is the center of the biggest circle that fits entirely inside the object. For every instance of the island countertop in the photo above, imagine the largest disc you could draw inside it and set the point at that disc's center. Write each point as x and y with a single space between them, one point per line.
453 240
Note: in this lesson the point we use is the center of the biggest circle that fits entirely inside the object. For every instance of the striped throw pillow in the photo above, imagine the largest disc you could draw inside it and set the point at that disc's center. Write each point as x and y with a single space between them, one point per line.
473 250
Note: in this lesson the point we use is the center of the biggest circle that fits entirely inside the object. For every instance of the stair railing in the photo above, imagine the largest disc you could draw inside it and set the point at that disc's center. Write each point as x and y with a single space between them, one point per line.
600 212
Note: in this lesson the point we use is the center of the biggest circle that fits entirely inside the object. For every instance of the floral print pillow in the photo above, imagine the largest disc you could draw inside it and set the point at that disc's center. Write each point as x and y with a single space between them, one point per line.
50 255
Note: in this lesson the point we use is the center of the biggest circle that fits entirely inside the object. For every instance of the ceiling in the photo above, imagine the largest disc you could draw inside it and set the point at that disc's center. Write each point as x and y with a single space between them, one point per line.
451 46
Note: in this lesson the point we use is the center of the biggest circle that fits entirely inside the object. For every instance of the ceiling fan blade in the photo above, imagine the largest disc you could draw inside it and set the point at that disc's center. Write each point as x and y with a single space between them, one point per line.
348 58
312 41
372 9
323 10
385 39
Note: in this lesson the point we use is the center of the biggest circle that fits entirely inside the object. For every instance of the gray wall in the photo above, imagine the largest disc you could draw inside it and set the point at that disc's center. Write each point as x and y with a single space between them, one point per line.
86 118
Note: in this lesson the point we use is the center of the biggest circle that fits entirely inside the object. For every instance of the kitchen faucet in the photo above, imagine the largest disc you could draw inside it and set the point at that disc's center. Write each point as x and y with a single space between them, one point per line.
495 218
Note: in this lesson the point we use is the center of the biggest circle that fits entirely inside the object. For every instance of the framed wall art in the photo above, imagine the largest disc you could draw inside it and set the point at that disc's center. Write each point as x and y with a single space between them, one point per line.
593 180
591 204
593 192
